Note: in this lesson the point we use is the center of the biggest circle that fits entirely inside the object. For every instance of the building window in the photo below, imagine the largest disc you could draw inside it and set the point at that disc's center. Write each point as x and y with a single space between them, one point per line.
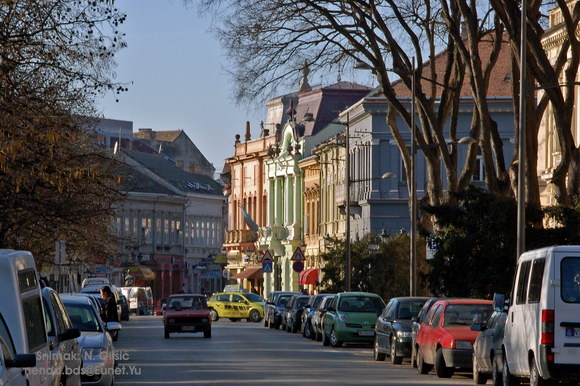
158 231
192 167
166 231
179 164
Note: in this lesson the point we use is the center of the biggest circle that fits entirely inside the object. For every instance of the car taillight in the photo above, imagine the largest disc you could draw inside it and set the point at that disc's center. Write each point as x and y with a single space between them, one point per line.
547 326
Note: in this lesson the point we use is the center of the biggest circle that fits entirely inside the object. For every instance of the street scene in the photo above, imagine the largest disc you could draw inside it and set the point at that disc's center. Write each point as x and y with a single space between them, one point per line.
293 192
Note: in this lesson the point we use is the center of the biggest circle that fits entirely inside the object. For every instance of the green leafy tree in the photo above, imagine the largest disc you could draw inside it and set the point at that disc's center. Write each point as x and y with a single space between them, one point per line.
476 241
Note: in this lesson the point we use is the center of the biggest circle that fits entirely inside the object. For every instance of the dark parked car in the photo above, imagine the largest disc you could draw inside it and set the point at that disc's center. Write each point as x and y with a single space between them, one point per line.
309 309
318 315
294 311
124 309
416 325
393 328
275 306
487 346
187 313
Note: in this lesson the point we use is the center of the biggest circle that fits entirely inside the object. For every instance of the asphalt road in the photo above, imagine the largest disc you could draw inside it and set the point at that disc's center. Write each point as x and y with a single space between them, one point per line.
248 353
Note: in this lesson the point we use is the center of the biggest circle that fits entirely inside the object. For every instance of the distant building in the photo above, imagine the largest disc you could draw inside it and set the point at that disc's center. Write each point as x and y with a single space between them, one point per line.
180 148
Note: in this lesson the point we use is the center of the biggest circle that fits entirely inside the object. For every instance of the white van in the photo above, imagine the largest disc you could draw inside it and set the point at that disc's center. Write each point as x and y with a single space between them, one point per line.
542 332
22 309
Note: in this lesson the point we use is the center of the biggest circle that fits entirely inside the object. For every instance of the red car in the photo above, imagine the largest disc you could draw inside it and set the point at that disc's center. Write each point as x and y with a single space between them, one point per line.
187 313
445 338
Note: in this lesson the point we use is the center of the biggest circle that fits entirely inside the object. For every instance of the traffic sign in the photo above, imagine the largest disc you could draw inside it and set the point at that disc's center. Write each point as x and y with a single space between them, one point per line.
298 255
267 267
267 258
298 266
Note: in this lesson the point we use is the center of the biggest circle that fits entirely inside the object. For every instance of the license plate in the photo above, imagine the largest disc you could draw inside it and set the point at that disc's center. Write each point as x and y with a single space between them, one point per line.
573 331
366 333
187 328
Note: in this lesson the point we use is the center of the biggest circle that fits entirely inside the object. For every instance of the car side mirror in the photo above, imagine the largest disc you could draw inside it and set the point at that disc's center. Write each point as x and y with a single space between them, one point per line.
69 334
112 326
478 327
21 360
414 319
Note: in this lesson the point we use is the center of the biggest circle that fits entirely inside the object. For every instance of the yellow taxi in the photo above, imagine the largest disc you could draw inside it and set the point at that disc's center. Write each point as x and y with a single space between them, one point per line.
236 306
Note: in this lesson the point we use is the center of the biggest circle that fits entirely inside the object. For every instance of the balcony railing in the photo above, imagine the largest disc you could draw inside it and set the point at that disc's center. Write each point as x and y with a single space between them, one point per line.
240 236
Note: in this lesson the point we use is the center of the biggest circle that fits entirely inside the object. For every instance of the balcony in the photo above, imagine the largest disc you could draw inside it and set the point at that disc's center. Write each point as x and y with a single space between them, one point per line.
240 236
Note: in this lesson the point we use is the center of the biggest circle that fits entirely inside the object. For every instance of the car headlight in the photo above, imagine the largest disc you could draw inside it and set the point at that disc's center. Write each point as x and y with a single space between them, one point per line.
343 317
95 354
463 345
404 334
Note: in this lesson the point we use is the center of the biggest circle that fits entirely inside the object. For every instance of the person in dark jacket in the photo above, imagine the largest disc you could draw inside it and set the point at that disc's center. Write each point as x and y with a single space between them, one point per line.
109 306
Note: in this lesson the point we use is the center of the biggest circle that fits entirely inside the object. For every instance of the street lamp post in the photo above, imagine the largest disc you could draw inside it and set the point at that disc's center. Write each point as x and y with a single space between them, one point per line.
347 264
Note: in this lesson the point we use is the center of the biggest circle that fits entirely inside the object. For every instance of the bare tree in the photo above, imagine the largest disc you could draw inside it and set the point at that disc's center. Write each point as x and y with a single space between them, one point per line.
265 38
55 57
555 77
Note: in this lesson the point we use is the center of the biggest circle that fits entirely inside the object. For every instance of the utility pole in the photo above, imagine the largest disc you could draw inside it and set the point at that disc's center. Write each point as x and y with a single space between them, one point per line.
347 196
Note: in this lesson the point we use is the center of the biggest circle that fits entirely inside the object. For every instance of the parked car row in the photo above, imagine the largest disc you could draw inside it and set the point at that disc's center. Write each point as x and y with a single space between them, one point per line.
536 336
47 338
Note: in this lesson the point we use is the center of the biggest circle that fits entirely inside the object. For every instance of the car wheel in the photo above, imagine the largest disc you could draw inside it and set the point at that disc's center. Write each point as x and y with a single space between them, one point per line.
422 367
535 377
395 360
166 333
414 357
213 315
255 316
307 331
496 376
441 368
325 341
478 377
207 334
508 378
377 355
334 339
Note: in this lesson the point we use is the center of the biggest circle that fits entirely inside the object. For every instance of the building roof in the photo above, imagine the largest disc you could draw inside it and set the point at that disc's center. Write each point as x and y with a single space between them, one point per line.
134 181
500 82
182 180
325 104
160 135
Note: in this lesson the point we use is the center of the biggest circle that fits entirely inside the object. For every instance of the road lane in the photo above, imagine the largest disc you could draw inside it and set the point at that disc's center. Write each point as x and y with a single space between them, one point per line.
248 353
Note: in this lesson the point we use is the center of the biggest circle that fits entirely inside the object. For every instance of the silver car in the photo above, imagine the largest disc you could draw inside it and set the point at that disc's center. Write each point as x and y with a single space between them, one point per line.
96 343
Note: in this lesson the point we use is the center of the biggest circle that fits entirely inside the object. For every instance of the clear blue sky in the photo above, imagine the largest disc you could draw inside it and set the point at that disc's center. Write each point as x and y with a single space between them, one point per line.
176 67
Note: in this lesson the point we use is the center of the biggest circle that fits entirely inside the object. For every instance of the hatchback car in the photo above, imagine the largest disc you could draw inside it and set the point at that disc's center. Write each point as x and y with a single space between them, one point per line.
236 306
393 329
187 313
319 315
445 339
308 314
487 346
351 317
293 318
416 326
275 306
97 351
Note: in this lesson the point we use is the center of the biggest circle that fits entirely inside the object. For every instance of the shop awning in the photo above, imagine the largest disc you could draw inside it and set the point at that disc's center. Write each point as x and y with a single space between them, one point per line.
250 273
142 272
309 276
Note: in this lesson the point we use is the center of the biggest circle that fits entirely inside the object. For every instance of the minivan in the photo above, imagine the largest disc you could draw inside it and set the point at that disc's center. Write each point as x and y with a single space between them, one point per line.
542 332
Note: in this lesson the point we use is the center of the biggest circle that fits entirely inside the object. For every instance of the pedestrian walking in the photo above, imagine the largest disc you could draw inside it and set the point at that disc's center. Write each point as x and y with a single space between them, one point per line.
109 307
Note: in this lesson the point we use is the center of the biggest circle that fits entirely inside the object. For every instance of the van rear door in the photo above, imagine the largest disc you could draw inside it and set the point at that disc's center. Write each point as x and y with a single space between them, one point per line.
567 308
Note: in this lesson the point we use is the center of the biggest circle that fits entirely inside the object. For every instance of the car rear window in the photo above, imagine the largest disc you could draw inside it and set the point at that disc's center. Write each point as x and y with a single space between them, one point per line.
570 272
361 304
189 302
466 314
34 320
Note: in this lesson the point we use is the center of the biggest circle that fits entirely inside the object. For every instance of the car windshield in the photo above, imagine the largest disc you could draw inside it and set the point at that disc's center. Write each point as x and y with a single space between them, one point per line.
408 309
361 304
466 314
283 300
254 298
189 302
83 317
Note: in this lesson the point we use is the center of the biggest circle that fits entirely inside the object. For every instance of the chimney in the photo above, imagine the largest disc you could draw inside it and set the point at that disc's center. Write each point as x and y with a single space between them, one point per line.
148 133
248 135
